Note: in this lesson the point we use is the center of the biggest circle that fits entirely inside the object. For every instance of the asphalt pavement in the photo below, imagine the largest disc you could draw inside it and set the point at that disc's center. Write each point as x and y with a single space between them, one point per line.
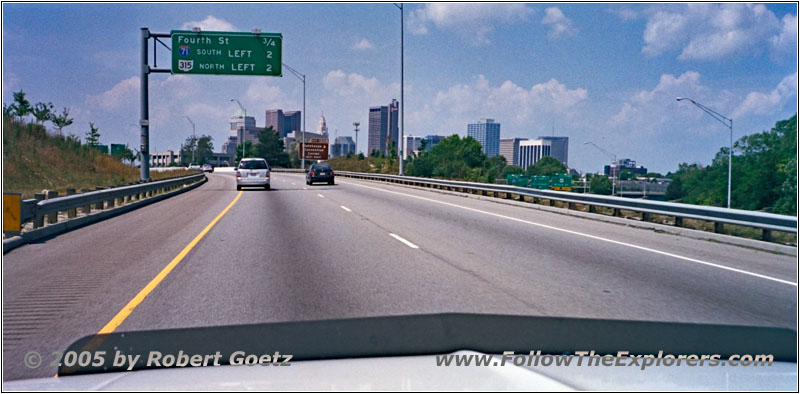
360 248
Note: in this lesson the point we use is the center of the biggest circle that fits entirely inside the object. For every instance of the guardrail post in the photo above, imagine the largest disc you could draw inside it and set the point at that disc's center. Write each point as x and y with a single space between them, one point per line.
73 212
38 220
719 228
766 235
645 217
571 205
87 209
592 209
678 221
52 217
617 212
100 204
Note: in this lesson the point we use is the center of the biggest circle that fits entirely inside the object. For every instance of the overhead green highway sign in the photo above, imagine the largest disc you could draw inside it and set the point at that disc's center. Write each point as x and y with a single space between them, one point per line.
226 53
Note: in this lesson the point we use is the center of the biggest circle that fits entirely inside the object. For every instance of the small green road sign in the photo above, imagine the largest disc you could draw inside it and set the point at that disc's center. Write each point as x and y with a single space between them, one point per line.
226 53
117 149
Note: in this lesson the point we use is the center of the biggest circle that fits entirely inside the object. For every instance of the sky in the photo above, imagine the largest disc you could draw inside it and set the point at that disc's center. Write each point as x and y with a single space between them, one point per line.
605 73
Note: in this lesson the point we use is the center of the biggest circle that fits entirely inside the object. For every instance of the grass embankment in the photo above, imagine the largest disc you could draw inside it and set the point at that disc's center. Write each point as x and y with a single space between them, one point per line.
367 164
34 161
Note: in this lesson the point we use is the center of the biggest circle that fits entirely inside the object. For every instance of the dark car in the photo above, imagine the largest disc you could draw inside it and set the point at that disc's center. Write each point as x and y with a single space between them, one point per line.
319 173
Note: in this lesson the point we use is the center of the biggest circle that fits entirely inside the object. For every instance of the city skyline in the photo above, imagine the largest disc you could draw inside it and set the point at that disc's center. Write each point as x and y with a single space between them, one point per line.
611 80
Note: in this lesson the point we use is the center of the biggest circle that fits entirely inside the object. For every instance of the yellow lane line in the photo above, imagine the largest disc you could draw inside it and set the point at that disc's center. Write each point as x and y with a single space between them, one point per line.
128 309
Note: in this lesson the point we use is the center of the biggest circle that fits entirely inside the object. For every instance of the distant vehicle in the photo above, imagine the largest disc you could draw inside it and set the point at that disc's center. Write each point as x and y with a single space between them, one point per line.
208 168
194 166
319 173
252 172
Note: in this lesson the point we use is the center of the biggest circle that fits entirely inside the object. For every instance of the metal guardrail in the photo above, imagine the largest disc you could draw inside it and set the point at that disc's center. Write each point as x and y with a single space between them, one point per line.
767 222
37 210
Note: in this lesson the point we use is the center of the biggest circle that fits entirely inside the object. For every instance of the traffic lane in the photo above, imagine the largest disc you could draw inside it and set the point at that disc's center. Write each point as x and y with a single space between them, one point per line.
289 255
578 276
59 290
776 265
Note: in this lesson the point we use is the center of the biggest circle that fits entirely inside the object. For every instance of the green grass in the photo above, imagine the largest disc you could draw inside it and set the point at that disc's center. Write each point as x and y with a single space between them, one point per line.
34 161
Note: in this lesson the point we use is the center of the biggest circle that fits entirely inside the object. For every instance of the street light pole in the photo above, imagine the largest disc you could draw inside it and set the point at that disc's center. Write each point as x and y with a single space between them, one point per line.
302 78
194 138
722 119
402 91
356 124
613 169
244 129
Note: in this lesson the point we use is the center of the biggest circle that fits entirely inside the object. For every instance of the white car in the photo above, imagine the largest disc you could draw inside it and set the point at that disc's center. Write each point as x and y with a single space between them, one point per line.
252 172
194 166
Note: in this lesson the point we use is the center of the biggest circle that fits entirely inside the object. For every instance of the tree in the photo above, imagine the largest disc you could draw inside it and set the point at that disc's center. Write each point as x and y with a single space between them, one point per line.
93 135
600 185
626 175
250 149
61 120
201 149
508 170
270 147
547 166
21 106
452 158
42 112
423 145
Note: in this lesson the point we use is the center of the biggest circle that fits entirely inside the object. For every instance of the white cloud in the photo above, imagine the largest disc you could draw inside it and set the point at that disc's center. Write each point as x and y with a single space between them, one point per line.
786 40
710 31
262 93
760 103
121 94
363 44
646 110
509 103
560 25
471 20
357 86
625 14
211 23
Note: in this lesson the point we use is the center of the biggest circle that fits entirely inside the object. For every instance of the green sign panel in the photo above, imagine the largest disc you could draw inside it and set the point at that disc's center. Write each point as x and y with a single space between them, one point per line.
226 53
117 149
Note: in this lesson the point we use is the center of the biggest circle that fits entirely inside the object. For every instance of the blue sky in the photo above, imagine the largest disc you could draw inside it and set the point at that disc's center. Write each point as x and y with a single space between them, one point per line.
608 73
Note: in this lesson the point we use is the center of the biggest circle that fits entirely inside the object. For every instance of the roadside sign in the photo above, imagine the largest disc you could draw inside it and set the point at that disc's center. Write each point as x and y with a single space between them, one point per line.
315 150
12 213
117 149
226 53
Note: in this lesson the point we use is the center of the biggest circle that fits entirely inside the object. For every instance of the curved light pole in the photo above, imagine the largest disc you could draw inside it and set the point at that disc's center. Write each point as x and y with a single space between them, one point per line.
194 138
244 129
402 90
722 119
613 169
302 78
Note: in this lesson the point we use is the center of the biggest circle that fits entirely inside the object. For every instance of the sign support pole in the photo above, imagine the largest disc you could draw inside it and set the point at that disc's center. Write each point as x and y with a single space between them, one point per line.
144 121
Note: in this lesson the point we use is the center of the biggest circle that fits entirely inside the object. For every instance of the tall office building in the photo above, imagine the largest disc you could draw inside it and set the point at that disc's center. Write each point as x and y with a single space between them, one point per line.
509 148
531 151
411 145
383 128
559 148
432 140
292 121
276 119
283 122
241 127
342 146
322 126
487 132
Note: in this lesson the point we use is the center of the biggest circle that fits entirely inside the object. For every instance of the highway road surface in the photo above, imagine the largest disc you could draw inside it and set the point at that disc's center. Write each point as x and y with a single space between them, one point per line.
215 256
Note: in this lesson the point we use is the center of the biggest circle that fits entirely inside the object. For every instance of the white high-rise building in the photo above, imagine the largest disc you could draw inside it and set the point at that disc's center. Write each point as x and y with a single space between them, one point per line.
322 127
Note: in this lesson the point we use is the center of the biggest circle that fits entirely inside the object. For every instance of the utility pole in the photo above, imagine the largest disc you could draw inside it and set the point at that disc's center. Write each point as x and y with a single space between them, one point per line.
356 124
194 138
402 90
244 129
